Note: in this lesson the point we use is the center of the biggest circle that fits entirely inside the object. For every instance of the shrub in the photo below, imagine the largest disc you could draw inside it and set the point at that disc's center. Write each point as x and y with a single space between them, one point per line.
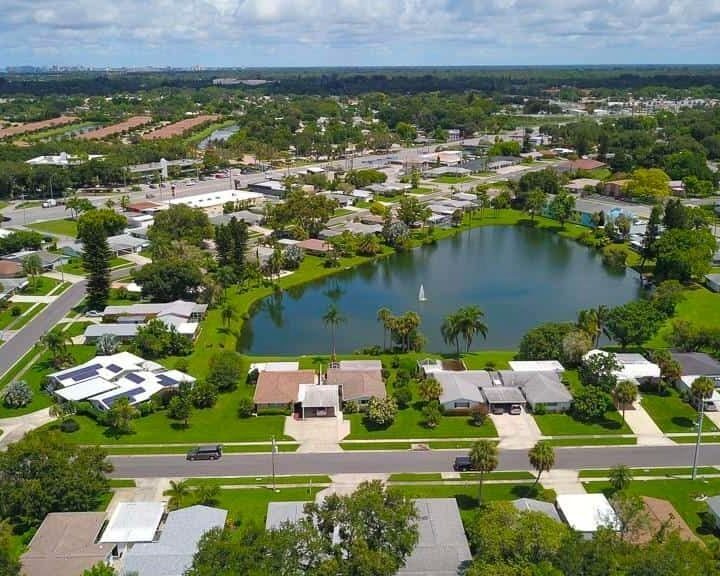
396 361
540 409
385 373
351 407
381 412
479 414
204 394
15 311
69 426
403 397
245 408
163 397
146 408
182 364
17 394
403 374
225 370
292 257
432 414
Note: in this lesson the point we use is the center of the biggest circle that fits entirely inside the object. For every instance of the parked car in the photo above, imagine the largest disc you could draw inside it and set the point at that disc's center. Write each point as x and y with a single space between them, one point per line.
205 453
93 313
498 410
49 203
515 409
462 464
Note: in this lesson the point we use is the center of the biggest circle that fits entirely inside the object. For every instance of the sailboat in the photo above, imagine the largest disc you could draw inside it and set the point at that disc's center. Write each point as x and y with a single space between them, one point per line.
421 294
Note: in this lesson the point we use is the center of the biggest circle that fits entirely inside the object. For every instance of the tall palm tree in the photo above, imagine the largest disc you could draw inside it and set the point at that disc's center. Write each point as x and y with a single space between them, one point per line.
225 277
625 393
620 477
56 342
179 491
602 316
332 318
206 494
484 459
588 322
32 266
383 315
228 314
450 330
410 323
470 323
542 458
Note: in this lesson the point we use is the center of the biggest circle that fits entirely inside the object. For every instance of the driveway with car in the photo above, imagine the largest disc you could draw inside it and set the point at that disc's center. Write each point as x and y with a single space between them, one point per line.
516 430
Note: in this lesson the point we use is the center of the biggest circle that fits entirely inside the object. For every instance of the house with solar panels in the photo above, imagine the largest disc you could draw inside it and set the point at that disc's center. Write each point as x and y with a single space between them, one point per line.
105 379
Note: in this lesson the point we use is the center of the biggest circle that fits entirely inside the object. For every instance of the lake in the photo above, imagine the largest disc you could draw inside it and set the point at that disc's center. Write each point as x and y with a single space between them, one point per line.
219 135
519 276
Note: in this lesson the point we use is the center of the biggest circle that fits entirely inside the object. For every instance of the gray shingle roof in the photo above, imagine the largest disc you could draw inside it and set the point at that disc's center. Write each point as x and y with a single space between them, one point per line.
531 505
503 395
697 364
462 385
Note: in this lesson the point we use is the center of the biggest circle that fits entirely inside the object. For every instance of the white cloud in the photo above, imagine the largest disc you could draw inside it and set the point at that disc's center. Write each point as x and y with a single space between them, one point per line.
408 31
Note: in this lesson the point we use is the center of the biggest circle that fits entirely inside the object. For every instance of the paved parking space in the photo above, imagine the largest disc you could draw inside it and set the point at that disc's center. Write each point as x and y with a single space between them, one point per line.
519 431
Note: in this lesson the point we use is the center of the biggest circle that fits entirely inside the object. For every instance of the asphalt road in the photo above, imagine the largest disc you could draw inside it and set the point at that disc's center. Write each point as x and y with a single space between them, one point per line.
387 462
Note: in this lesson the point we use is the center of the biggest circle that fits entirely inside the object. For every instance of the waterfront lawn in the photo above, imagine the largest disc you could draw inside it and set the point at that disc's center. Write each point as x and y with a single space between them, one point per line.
249 505
62 227
681 494
40 286
6 315
408 424
489 359
672 414
701 307
566 425
35 378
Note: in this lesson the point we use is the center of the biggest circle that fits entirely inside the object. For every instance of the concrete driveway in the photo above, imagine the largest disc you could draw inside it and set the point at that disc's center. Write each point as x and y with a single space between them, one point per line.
318 434
520 432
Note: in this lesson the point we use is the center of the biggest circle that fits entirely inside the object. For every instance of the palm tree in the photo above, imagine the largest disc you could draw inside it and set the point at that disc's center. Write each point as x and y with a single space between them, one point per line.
450 330
125 202
107 344
179 491
120 414
228 314
602 315
332 318
542 458
32 266
225 276
470 320
625 393
588 322
620 477
484 459
207 494
384 315
56 342
483 200
110 204
62 410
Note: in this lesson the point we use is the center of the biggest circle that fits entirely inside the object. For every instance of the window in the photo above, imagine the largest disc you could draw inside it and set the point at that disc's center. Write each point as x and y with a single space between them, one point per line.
462 404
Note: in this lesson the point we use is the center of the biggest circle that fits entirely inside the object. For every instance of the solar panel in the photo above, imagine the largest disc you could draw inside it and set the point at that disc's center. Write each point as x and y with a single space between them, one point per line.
129 395
166 380
83 373
114 368
135 378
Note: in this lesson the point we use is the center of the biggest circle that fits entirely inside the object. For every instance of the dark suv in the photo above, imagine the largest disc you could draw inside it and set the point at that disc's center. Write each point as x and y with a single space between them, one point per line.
205 453
462 464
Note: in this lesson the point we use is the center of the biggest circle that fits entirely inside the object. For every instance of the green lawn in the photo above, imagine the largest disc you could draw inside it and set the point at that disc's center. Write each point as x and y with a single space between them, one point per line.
566 425
408 424
259 480
701 307
9 375
122 483
706 439
250 505
6 316
672 414
35 377
603 441
355 446
74 329
62 227
681 493
40 286
509 475
659 472
341 212
429 477
489 359
74 266
29 315
450 179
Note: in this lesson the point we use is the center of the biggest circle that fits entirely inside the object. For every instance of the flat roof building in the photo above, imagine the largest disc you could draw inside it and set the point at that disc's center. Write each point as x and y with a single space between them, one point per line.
213 202
587 513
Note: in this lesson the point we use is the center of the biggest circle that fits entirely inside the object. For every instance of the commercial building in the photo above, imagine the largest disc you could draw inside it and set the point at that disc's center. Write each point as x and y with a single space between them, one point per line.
212 203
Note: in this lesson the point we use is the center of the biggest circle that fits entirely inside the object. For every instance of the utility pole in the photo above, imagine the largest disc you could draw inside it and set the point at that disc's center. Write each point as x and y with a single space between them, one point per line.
699 435
273 451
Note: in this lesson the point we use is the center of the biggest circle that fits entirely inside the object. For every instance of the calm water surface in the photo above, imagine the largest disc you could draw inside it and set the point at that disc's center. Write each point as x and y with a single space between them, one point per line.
519 276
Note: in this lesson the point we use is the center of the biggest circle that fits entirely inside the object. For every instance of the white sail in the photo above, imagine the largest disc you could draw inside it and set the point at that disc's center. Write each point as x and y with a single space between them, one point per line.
421 294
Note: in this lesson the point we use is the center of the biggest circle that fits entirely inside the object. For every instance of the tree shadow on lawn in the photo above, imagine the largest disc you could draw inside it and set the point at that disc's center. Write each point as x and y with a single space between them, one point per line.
683 422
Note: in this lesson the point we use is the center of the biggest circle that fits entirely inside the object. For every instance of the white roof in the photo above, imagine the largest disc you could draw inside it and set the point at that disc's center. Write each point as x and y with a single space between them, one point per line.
274 367
133 522
587 512
360 365
536 366
632 366
85 389
430 365
319 396
216 198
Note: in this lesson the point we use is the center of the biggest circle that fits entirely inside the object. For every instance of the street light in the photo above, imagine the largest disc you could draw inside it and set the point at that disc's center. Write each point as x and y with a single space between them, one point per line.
699 435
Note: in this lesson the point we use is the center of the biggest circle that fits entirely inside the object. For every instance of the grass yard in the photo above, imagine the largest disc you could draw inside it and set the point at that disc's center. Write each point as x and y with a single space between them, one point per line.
341 212
29 315
681 493
356 446
449 179
259 480
706 439
62 227
672 414
659 472
519 475
19 365
603 441
408 424
35 377
74 329
701 307
122 483
429 477
566 425
490 359
250 506
40 286
6 315
74 266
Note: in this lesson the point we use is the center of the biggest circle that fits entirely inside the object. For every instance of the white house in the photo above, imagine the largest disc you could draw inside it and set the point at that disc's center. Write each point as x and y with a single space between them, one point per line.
462 391
633 367
587 513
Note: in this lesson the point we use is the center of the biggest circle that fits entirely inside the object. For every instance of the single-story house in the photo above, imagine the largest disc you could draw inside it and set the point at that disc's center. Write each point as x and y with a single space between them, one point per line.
105 379
539 388
48 260
357 385
315 247
250 218
362 195
697 364
464 205
713 282
281 513
321 401
429 366
462 391
712 404
139 313
8 286
343 200
581 184
587 513
503 396
536 366
271 187
126 244
713 504
146 207
439 220
273 367
633 367
446 171
585 164
465 196
442 209
132 523
10 269
171 553
532 505
213 203
65 545
279 389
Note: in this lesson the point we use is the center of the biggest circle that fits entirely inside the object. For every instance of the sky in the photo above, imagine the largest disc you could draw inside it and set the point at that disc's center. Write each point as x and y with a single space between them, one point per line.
260 33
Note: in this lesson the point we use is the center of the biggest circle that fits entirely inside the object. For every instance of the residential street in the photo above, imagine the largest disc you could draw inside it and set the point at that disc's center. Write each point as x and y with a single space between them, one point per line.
386 462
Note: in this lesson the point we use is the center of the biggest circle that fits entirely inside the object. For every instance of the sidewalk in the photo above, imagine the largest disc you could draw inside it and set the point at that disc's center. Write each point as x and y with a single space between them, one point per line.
34 299
644 427
563 481
64 277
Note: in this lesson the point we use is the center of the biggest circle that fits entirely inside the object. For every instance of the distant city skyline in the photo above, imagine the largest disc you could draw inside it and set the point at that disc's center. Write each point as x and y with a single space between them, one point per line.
277 33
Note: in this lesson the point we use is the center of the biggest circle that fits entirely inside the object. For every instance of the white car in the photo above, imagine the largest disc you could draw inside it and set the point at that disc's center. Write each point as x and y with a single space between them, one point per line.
93 313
